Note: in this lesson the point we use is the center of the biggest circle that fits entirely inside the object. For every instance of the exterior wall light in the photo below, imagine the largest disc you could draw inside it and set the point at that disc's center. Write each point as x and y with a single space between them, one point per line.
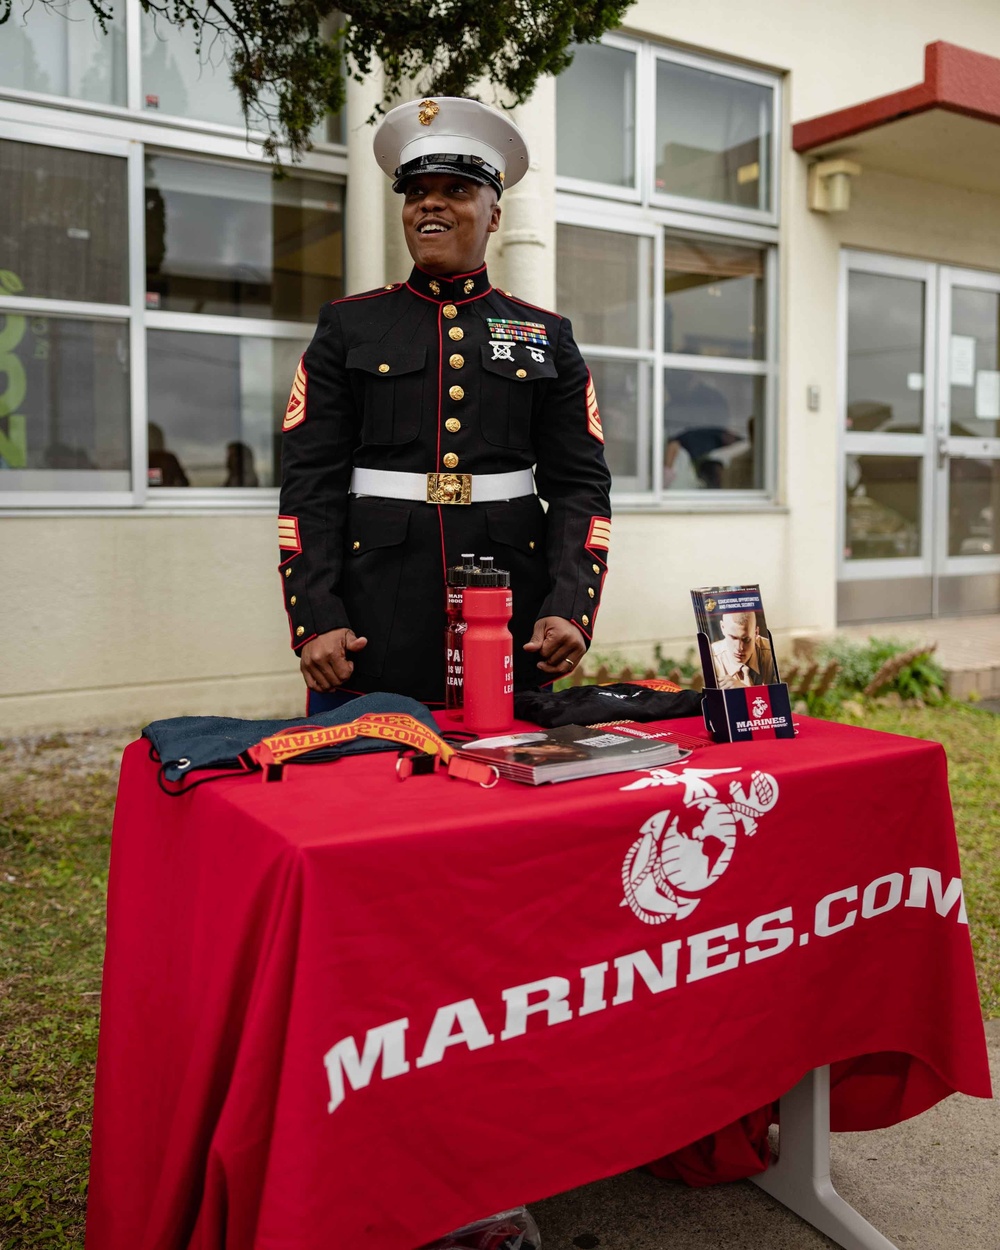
830 185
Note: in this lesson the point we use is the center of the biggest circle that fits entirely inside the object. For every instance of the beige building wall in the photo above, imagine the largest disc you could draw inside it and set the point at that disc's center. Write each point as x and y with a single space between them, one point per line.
120 618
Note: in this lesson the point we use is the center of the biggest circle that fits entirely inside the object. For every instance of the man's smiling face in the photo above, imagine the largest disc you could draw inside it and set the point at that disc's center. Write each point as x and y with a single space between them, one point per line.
447 220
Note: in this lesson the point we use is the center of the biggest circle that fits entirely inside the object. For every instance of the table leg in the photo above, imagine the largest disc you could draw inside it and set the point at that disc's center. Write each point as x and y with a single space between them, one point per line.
800 1179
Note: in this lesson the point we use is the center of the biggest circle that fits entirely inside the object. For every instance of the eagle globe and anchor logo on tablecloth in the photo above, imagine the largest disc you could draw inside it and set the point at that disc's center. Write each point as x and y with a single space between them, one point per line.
684 849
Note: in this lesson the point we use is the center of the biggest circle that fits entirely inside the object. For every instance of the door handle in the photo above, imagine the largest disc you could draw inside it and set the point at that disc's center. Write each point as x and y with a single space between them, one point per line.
942 451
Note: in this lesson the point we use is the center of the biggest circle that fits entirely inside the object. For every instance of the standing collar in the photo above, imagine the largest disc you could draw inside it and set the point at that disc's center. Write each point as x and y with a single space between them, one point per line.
453 290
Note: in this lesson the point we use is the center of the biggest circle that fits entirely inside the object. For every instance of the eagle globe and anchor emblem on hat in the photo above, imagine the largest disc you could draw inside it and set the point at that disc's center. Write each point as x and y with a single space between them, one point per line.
451 135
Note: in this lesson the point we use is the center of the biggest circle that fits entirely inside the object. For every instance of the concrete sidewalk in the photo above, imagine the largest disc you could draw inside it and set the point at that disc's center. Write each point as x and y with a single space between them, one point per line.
968 649
931 1183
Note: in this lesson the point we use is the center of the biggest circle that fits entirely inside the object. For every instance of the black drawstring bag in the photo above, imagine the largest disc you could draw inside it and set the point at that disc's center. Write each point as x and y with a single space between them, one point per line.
594 705
187 744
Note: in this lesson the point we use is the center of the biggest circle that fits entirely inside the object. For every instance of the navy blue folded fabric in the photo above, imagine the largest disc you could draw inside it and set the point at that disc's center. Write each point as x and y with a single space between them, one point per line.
187 743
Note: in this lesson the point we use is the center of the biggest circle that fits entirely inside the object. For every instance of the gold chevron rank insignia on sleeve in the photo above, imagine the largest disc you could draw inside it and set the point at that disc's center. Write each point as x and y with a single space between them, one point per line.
295 413
593 414
600 533
288 533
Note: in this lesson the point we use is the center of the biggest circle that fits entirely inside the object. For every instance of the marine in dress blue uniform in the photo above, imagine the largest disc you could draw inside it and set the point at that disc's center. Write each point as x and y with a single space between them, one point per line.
430 418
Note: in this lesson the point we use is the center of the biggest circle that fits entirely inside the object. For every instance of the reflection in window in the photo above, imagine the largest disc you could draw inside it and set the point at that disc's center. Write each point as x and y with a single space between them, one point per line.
603 285
61 50
883 507
973 507
712 430
595 104
713 136
63 224
215 408
234 241
64 404
178 80
975 363
622 388
885 354
714 298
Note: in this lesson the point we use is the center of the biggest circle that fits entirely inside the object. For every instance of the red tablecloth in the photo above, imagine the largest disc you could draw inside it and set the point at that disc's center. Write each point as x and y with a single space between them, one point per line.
344 1011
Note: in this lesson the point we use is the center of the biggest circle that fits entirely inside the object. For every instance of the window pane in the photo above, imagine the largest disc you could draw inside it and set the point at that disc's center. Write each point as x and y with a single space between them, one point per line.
883 507
714 302
62 51
180 81
623 397
713 136
235 241
64 404
975 363
63 224
603 285
215 407
595 111
974 507
713 430
885 354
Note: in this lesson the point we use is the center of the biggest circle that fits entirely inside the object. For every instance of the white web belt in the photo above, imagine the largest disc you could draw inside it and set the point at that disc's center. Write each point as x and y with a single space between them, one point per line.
439 488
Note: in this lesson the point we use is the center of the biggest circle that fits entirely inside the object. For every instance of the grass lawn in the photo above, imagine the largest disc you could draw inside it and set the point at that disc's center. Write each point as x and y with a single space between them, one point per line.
56 802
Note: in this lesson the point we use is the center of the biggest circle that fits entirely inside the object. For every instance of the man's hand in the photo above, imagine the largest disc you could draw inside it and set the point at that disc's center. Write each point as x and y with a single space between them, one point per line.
326 661
559 644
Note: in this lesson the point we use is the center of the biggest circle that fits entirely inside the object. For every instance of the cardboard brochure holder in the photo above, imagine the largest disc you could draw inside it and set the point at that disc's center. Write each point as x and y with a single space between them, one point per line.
746 713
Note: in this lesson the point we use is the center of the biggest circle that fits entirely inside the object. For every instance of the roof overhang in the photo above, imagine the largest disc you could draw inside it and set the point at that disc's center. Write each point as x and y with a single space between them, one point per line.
945 129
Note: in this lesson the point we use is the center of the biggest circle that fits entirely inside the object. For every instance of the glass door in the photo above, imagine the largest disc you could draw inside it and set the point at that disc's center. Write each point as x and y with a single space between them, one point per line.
967 444
887 469
920 464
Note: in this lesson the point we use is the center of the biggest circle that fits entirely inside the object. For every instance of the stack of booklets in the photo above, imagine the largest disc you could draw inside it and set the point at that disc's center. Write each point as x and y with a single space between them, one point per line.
571 751
732 619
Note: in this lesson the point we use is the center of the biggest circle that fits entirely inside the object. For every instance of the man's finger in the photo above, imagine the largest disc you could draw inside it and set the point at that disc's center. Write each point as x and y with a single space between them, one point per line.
353 643
534 643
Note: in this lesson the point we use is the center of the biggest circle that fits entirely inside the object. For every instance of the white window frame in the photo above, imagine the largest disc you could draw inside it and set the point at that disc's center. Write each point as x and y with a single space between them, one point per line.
132 132
686 203
650 214
607 190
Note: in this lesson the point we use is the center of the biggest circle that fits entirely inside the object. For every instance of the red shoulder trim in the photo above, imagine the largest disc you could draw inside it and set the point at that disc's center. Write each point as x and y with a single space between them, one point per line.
382 290
525 304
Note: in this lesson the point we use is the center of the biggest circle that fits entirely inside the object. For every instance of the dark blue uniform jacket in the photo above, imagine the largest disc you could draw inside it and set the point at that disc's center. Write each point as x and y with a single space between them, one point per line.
438 375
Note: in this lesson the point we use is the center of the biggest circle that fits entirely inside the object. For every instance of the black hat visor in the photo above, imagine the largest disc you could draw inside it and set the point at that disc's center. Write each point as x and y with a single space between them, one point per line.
472 167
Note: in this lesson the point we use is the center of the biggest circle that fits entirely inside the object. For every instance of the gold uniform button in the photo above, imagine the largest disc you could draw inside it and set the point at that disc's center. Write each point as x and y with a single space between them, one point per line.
300 631
596 568
383 368
531 545
293 601
456 393
522 373
356 546
387 287
450 460
456 333
585 619
456 361
450 311
453 425
288 572
590 591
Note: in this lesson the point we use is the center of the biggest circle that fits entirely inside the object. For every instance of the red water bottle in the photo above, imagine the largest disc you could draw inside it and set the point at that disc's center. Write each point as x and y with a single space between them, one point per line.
488 650
454 633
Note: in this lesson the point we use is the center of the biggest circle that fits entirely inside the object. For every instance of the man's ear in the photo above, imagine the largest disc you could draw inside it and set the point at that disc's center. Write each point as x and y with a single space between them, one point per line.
494 219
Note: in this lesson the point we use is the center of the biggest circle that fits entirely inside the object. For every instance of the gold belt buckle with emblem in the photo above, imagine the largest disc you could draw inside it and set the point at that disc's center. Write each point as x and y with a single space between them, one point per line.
449 488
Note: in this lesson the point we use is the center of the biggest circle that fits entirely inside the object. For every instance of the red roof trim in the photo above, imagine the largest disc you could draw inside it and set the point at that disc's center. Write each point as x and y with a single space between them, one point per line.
955 79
